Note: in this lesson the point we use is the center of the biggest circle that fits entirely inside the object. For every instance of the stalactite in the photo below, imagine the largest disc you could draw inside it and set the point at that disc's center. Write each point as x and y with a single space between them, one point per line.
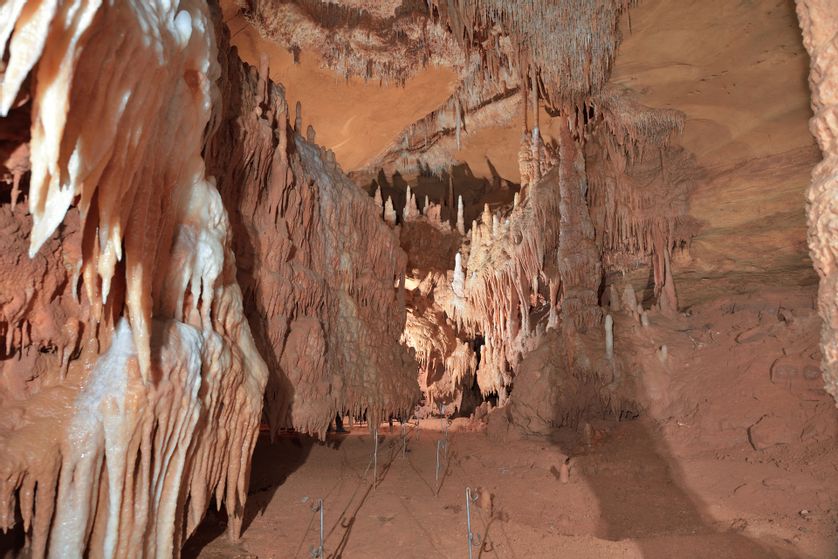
356 42
160 393
568 47
317 268
639 187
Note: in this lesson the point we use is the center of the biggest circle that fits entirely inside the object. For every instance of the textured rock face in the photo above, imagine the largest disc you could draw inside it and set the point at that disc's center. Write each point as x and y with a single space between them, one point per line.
819 21
318 267
363 39
132 382
745 105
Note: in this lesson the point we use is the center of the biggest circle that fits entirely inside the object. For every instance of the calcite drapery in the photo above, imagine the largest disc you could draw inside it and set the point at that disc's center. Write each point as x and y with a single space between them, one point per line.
317 265
640 182
564 49
362 41
160 414
819 21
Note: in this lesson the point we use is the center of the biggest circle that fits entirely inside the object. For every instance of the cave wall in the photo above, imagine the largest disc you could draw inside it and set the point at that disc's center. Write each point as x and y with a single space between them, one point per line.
819 22
738 73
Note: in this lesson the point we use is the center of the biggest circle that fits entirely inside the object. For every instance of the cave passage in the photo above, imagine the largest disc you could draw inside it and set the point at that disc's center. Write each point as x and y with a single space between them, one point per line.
418 278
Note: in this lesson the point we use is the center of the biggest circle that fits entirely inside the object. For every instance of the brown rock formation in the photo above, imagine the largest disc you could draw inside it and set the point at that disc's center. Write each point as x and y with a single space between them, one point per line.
317 266
819 22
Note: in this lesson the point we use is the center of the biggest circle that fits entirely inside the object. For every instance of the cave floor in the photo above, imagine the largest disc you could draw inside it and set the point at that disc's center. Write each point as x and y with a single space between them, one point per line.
628 495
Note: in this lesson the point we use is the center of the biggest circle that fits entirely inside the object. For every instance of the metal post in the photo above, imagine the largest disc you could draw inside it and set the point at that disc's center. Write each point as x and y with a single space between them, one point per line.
320 552
468 521
322 533
470 537
375 461
438 444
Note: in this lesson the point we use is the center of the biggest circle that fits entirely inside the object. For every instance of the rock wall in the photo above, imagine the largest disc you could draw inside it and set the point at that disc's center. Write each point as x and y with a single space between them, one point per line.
819 22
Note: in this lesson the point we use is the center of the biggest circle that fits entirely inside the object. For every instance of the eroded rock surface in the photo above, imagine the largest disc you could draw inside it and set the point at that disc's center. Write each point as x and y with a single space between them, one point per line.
820 36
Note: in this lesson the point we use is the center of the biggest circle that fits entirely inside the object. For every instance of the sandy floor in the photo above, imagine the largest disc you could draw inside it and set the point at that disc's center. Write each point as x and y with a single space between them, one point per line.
626 497
741 462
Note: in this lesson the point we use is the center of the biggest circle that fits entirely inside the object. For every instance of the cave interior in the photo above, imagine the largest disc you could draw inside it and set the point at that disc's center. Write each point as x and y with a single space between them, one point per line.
419 278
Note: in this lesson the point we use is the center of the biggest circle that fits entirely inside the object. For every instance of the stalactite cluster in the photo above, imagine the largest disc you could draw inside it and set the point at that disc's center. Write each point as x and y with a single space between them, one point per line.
354 41
639 187
447 361
509 282
144 399
819 22
565 48
317 266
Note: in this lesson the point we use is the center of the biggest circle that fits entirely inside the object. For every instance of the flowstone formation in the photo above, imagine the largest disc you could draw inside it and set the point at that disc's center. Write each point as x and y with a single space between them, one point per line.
322 275
140 393
819 22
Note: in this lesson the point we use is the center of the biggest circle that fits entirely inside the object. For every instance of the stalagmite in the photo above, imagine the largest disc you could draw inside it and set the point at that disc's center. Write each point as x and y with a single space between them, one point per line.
613 298
460 220
535 157
410 210
629 298
486 216
377 198
579 263
663 354
298 119
389 212
459 281
609 336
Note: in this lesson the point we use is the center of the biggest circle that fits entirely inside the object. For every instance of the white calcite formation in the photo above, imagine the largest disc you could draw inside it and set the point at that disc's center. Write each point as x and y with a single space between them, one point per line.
411 212
389 212
461 227
160 408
